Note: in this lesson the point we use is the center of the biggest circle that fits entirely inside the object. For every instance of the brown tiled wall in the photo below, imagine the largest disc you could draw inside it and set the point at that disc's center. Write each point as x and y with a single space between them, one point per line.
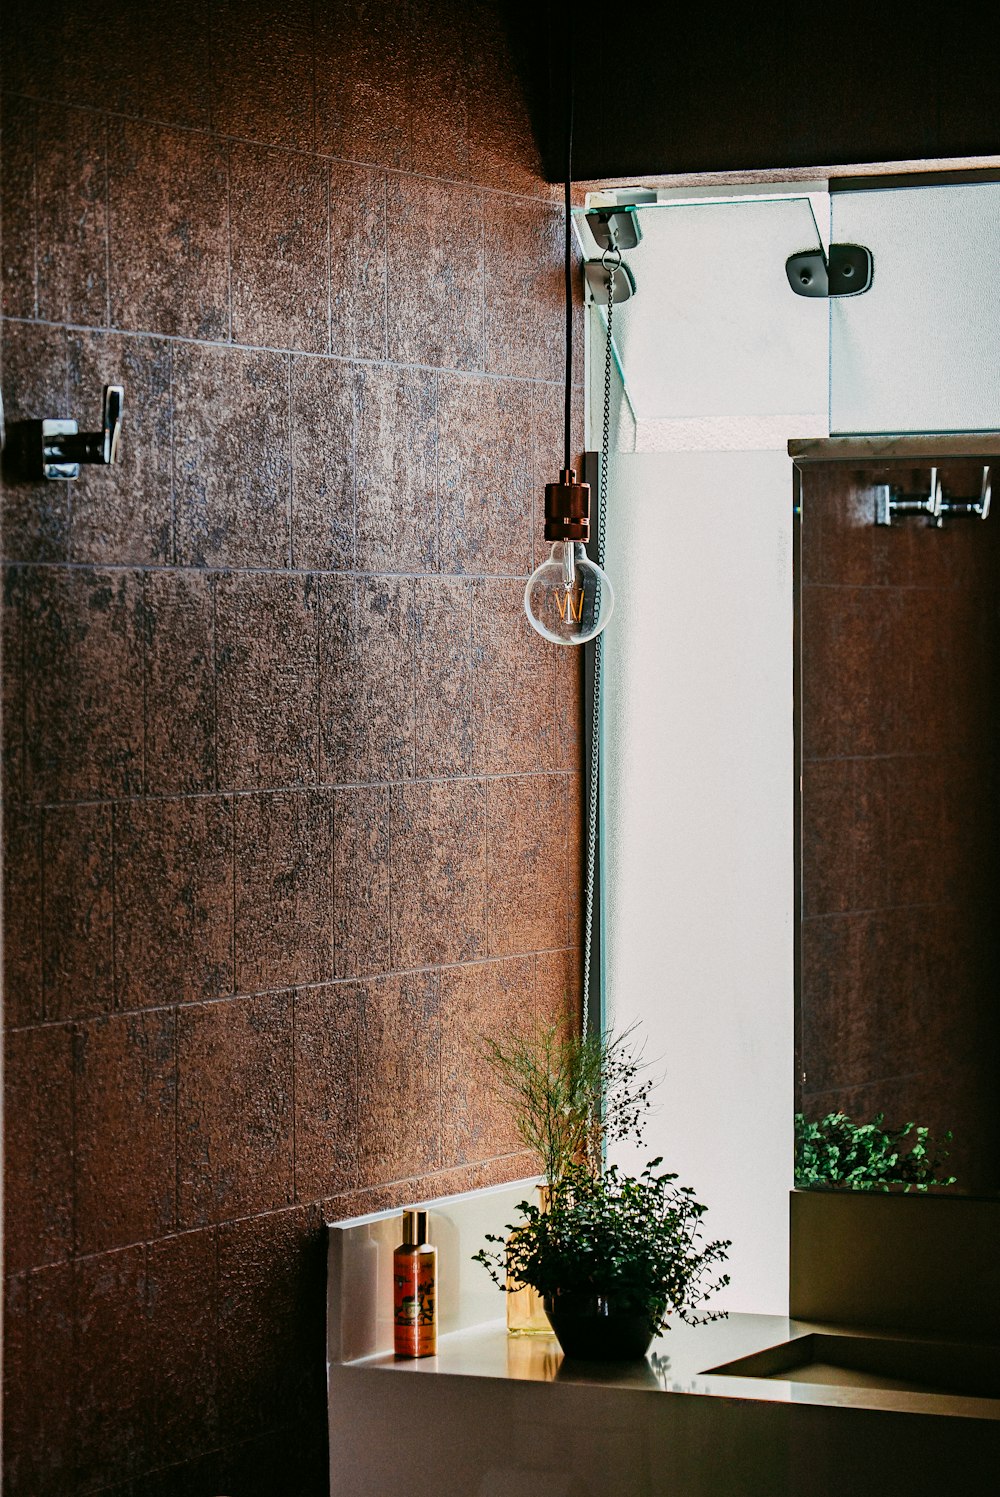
900 700
291 790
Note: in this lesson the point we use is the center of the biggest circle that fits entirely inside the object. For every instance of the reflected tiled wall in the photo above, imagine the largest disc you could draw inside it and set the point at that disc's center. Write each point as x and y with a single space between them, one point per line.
291 790
900 702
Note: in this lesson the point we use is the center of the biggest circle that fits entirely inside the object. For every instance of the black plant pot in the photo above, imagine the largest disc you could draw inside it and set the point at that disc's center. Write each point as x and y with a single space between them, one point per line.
595 1328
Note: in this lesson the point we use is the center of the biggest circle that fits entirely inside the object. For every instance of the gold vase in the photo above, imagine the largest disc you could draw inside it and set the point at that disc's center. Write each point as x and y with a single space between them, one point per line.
525 1312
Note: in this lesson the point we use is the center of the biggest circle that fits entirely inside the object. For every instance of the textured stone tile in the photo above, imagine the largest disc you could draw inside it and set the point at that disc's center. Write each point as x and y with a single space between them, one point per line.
530 869
11 687
361 881
844 963
438 86
77 911
35 515
267 684
234 1108
322 435
179 681
480 1002
125 1089
395 457
31 55
363 103
262 74
847 643
443 648
358 309
231 463
71 203
39 1418
83 683
38 1147
280 249
558 987
169 231
326 1090
123 513
17 201
112 1367
157 66
22 914
295 1458
182 1305
502 148
272 1351
435 274
485 475
524 249
284 889
438 873
827 853
427 1187
173 901
527 700
366 679
399 1098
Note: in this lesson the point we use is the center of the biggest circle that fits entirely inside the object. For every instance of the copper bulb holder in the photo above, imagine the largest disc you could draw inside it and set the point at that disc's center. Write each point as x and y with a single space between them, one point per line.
567 508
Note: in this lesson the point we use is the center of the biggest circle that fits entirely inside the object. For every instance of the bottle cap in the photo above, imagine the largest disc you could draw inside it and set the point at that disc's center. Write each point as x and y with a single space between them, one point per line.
414 1228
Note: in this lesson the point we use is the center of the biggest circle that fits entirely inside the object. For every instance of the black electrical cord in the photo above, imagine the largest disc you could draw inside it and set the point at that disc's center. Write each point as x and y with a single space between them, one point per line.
568 256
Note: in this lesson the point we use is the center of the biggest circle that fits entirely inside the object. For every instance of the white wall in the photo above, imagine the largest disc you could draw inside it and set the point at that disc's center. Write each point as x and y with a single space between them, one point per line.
699 831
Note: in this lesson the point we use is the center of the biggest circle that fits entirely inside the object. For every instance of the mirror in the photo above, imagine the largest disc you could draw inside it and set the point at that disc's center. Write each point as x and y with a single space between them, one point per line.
898 962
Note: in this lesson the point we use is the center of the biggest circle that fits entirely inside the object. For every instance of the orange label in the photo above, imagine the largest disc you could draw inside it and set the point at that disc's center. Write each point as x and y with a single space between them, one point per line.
414 1304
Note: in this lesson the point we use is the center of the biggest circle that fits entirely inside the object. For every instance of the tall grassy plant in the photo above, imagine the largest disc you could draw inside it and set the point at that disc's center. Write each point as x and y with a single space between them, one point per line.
572 1095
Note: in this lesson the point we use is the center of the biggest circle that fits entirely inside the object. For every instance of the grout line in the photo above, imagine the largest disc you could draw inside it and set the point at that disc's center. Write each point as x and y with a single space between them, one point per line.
174 546
551 199
220 569
329 253
229 239
177 1118
35 300
290 448
302 788
108 262
276 989
305 353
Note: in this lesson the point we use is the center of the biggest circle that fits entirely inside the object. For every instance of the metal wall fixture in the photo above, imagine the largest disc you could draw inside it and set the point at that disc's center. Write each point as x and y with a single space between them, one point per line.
846 271
65 447
613 230
892 504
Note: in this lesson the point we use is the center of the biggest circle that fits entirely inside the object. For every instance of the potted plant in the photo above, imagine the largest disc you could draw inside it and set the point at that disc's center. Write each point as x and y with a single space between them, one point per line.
611 1254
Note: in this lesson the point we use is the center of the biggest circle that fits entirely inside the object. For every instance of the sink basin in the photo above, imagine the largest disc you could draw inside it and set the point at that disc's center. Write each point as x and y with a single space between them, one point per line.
959 1369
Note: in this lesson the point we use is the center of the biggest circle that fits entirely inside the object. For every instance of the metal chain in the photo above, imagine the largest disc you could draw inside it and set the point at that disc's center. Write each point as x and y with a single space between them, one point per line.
593 789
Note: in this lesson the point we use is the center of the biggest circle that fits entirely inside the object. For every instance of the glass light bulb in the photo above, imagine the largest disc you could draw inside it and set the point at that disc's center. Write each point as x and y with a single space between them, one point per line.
569 598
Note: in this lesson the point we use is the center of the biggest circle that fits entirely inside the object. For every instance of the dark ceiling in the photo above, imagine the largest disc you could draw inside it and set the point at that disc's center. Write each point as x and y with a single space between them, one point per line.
662 89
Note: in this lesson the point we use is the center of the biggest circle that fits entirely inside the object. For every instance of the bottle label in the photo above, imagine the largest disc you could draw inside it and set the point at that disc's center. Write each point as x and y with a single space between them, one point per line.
414 1305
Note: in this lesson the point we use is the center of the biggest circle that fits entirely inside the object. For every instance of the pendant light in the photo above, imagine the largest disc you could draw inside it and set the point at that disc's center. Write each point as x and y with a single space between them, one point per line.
569 598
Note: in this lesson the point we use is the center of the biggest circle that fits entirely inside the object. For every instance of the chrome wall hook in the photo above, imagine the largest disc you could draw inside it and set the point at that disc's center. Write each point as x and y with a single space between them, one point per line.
65 447
891 503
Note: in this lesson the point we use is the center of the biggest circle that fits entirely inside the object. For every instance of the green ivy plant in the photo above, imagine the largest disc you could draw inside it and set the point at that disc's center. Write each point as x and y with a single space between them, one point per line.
636 1240
837 1153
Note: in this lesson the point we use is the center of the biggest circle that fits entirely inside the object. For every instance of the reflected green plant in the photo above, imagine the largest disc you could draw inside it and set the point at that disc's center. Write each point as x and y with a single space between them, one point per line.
836 1153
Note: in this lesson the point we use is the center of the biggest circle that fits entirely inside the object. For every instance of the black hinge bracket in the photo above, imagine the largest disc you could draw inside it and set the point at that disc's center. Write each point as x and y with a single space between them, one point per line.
847 272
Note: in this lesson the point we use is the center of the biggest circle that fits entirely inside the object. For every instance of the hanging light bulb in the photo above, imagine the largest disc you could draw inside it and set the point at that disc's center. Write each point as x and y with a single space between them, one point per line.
569 598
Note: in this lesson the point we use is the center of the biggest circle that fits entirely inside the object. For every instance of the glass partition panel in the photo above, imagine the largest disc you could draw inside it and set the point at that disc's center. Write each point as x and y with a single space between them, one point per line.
918 352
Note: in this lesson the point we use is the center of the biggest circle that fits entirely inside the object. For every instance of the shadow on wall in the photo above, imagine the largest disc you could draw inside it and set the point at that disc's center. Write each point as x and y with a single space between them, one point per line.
288 815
